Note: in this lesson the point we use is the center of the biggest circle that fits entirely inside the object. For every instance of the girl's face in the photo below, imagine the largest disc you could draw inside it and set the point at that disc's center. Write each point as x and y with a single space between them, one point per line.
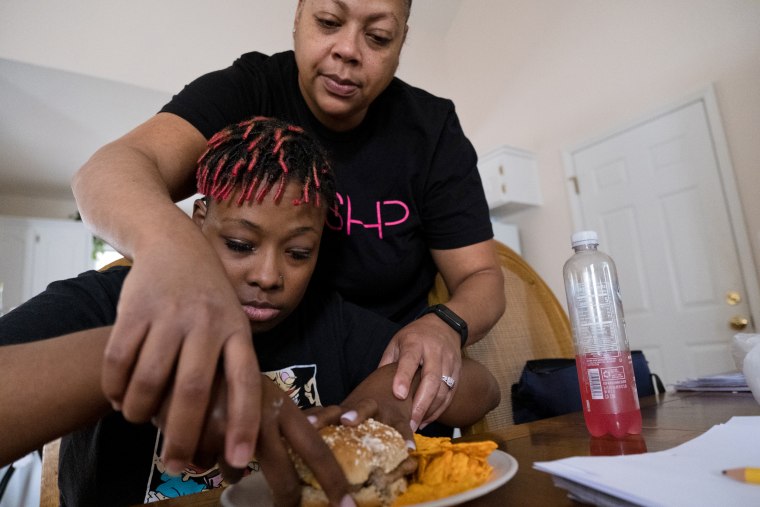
347 52
268 249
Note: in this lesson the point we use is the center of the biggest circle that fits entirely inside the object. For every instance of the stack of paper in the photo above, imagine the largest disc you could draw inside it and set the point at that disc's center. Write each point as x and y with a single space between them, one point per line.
732 381
690 474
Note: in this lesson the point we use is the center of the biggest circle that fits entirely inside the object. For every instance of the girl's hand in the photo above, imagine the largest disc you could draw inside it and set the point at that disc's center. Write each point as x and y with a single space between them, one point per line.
283 425
371 398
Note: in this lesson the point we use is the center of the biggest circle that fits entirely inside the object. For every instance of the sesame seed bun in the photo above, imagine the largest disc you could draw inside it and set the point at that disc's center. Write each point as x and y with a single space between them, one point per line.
373 456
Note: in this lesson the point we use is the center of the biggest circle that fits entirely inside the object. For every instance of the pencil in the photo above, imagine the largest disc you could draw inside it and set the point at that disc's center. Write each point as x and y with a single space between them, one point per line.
748 474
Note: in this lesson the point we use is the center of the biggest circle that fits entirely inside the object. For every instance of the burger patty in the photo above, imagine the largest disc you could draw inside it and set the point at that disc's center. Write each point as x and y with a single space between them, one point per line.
382 480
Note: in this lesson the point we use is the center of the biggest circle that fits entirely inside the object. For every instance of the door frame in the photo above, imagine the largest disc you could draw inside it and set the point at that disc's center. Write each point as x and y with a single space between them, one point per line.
709 101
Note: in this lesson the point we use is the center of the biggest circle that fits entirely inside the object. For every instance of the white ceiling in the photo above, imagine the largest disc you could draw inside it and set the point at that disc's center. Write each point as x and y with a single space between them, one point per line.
52 120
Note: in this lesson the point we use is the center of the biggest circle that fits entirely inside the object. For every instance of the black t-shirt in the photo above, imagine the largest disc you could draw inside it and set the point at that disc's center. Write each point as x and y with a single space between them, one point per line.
407 178
319 354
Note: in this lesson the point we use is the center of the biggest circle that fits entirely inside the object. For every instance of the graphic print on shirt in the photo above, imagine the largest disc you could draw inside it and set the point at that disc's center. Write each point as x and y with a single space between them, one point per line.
386 214
299 381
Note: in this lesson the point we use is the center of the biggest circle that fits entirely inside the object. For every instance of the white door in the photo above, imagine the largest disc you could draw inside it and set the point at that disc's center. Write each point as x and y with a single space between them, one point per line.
655 195
62 249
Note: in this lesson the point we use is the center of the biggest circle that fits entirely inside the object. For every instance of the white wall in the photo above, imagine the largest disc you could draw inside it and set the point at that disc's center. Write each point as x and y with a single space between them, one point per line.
163 45
546 75
541 75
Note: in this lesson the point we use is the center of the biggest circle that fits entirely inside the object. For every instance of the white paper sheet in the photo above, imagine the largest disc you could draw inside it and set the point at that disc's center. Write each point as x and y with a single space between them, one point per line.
730 381
687 475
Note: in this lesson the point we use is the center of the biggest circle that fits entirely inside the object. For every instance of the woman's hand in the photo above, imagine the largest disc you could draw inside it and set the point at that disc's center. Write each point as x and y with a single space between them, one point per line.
431 343
178 318
476 284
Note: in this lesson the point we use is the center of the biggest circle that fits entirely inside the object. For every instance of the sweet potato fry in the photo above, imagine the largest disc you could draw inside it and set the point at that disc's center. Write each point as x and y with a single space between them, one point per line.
445 468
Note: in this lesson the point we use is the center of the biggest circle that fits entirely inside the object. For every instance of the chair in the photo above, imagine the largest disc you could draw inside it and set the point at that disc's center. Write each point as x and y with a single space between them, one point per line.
534 325
122 261
49 494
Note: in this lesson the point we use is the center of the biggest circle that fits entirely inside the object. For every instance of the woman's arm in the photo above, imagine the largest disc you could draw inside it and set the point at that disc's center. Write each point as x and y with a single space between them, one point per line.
475 281
476 285
177 306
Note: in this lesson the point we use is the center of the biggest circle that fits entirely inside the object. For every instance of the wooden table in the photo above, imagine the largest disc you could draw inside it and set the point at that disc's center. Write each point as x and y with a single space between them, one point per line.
668 420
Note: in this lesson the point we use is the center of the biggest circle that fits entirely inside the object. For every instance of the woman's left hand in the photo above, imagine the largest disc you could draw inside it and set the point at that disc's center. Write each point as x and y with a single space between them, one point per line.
431 343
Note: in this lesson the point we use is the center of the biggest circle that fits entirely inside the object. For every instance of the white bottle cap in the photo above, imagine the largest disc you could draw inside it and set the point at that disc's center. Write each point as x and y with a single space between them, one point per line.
584 238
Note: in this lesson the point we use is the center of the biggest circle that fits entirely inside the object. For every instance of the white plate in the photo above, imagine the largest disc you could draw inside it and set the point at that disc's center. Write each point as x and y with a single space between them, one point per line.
504 468
255 487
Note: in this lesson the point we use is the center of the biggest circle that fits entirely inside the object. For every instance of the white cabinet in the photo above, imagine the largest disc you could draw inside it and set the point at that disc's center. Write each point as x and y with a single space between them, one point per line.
510 179
35 252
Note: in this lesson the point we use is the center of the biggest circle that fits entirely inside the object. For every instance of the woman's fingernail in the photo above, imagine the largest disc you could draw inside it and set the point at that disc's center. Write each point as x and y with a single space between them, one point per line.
411 445
350 416
413 425
401 392
241 456
312 419
347 501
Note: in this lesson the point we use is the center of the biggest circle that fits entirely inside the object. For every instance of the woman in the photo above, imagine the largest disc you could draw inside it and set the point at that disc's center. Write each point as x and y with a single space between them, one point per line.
411 204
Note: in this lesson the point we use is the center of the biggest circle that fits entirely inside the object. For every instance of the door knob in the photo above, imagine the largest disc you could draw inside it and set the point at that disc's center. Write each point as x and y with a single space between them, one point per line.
733 298
738 322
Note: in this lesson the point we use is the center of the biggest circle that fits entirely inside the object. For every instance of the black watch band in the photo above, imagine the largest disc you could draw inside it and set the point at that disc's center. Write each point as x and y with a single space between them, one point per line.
450 318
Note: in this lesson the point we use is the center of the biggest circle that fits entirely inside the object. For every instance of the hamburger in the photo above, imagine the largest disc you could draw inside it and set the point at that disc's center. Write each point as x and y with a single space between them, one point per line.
374 458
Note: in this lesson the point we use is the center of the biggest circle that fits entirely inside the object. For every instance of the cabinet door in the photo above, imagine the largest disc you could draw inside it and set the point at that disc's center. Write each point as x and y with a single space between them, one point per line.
510 179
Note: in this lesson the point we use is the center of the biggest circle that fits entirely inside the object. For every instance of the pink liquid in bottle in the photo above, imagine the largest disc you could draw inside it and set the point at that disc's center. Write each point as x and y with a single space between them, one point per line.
608 394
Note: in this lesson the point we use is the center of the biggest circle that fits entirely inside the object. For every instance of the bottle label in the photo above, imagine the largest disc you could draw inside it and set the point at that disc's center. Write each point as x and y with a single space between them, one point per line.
596 328
608 377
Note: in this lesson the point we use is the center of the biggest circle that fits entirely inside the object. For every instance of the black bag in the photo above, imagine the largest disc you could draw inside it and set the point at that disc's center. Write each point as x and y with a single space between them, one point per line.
549 387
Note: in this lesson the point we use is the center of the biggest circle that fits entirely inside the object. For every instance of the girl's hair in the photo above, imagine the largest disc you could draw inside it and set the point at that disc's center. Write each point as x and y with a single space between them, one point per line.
263 154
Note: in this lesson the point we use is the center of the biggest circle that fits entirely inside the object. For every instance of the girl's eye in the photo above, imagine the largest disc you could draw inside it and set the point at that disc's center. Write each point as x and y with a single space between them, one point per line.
300 255
238 246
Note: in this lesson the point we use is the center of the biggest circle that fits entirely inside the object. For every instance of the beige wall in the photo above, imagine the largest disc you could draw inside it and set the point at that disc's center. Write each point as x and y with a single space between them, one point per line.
542 75
547 75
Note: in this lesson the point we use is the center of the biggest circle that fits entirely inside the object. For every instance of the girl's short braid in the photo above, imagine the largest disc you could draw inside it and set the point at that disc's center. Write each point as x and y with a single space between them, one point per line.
260 154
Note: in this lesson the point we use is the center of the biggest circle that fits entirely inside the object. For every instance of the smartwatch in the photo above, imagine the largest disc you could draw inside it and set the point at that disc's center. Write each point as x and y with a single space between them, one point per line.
450 318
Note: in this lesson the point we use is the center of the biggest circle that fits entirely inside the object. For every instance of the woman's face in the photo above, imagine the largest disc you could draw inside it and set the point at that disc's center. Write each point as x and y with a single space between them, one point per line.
268 249
347 52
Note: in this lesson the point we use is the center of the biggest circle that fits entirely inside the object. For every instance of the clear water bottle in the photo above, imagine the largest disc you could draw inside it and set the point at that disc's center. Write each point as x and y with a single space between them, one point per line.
603 357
